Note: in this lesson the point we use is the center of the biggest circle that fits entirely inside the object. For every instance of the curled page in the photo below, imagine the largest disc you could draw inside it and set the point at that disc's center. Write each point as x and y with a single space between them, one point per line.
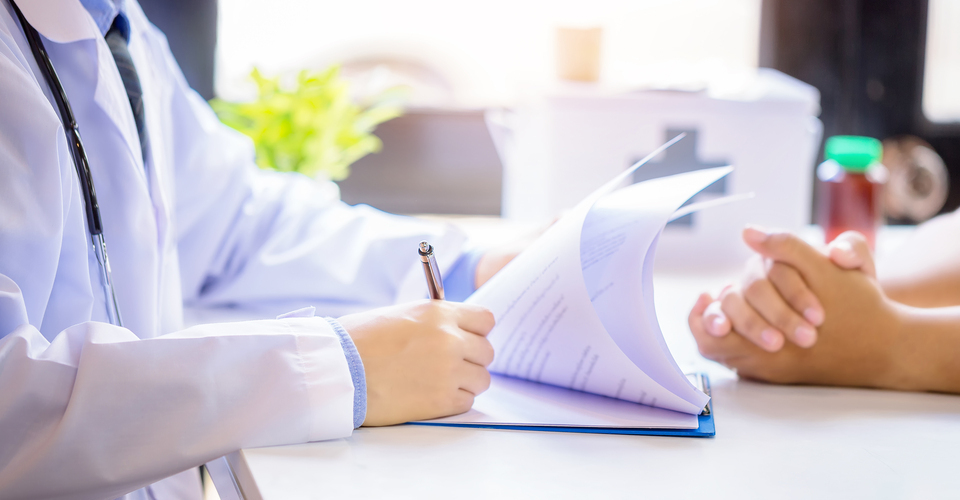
618 245
575 309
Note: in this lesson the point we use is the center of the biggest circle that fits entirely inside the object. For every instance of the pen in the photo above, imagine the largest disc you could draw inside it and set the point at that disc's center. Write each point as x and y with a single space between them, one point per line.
430 270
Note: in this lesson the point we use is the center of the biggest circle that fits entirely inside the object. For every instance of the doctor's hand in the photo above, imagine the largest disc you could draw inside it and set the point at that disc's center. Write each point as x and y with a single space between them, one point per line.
772 304
422 360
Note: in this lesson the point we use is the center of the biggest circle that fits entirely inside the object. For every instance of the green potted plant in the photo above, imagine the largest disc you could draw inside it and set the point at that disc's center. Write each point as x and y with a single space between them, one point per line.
314 128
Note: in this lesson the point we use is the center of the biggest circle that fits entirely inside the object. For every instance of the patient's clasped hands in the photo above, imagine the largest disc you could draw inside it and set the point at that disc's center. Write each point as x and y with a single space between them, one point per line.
805 316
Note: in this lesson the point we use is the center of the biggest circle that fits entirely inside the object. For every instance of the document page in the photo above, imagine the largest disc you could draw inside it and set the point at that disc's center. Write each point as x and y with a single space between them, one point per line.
574 311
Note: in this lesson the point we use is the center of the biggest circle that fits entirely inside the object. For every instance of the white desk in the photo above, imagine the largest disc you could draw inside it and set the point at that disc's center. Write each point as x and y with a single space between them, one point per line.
772 442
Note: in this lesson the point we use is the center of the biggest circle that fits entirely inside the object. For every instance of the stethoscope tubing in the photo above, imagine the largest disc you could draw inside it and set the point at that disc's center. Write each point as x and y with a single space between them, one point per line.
80 162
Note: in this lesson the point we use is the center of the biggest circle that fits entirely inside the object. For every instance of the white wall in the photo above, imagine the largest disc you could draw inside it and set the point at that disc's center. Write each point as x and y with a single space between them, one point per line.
493 50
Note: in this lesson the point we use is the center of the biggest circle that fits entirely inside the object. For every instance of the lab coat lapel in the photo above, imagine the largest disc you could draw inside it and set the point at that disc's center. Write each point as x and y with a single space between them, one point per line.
156 97
111 96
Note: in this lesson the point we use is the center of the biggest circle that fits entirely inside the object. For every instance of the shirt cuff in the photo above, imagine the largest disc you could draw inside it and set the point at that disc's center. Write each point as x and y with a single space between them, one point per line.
459 282
356 372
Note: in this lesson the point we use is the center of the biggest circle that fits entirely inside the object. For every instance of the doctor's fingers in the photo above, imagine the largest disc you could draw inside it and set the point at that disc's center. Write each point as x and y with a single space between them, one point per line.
461 402
766 300
472 378
475 319
476 349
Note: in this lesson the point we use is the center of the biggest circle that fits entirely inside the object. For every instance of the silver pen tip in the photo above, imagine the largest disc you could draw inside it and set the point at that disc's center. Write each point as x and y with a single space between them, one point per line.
425 247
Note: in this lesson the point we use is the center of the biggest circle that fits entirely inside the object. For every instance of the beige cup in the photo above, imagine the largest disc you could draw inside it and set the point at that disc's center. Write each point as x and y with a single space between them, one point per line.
578 54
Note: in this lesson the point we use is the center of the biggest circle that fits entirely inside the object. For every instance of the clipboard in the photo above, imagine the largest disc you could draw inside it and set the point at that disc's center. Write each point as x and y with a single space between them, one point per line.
705 428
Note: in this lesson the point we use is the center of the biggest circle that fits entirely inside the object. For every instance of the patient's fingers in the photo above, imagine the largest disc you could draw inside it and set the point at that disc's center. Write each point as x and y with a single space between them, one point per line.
787 248
714 321
731 350
705 342
750 324
796 292
695 319
850 250
763 298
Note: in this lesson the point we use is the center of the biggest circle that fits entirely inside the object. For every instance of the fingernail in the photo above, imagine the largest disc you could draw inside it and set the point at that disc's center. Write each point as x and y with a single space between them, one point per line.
756 234
813 315
716 326
843 255
772 339
845 247
805 336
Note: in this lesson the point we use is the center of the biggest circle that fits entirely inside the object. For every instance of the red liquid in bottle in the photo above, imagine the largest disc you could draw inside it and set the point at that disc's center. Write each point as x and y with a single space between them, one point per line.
848 201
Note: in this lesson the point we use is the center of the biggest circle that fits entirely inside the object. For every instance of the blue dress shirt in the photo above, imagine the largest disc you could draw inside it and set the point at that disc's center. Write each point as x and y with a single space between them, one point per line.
104 12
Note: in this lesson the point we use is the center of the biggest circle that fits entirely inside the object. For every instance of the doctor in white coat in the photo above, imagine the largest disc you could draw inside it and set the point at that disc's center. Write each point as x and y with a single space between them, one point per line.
93 410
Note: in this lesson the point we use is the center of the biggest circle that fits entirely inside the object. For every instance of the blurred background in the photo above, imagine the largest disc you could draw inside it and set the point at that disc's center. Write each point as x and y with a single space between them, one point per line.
519 107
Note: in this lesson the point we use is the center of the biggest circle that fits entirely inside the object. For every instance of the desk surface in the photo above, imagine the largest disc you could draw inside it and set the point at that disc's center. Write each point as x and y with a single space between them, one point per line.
772 442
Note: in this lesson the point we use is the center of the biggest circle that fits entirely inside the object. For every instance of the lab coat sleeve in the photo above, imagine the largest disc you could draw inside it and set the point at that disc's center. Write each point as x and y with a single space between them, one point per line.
69 430
250 237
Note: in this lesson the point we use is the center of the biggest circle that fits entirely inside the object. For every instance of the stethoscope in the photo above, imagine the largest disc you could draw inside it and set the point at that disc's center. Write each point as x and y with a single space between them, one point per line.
80 161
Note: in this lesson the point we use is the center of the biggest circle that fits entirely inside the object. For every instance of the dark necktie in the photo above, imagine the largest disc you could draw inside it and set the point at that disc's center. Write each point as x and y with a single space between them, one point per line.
117 41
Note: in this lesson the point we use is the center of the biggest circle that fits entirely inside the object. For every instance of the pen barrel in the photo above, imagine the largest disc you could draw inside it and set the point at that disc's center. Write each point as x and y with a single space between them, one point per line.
432 273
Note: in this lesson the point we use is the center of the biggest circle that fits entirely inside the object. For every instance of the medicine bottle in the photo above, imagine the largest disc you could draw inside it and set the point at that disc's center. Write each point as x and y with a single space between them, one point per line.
849 187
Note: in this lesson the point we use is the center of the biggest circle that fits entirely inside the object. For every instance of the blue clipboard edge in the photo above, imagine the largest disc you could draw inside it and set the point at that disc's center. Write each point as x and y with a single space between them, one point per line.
707 428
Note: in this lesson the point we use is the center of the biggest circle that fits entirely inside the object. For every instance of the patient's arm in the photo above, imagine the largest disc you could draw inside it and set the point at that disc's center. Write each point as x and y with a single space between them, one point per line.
925 271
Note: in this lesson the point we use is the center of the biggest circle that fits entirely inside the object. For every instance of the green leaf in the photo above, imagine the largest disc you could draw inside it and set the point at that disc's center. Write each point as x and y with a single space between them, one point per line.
313 128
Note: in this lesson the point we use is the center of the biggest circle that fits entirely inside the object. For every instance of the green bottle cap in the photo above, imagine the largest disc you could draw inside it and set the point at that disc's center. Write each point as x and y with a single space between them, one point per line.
854 152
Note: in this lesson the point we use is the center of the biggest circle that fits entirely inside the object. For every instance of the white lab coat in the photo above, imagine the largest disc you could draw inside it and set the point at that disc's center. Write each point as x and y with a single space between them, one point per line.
90 410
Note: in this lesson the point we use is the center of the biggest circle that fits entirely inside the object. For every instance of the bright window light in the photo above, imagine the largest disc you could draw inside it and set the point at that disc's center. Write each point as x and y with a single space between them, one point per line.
941 75
489 53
